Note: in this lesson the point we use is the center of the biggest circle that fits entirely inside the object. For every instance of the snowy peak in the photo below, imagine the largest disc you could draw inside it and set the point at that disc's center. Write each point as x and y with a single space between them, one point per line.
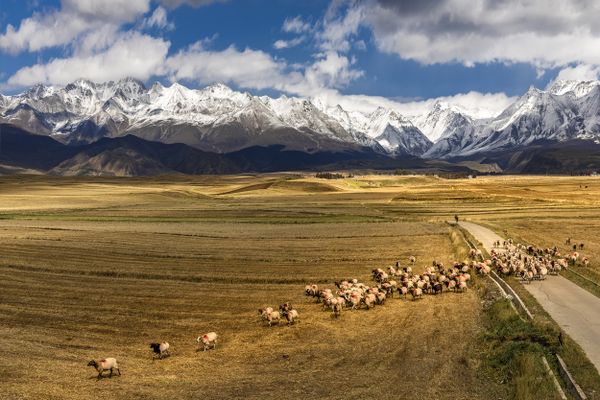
443 120
576 89
218 118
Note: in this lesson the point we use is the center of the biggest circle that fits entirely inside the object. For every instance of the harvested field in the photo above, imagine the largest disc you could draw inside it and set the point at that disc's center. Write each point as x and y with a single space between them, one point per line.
95 267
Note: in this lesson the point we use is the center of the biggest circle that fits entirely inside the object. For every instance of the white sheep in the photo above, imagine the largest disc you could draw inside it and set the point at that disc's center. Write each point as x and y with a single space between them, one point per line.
106 364
369 300
273 317
208 340
292 316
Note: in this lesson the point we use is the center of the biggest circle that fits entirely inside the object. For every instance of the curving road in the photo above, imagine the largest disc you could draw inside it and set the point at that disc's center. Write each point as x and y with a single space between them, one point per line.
576 310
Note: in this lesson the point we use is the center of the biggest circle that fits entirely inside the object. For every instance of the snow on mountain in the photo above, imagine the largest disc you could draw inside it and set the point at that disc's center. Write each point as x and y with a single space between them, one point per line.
217 118
442 120
448 127
214 118
567 110
576 89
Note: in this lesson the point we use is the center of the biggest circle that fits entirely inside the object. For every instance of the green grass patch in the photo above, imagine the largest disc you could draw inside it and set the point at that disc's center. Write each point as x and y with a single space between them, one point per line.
515 350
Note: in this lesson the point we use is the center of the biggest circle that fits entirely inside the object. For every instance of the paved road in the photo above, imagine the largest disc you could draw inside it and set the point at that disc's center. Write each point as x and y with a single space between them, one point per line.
576 310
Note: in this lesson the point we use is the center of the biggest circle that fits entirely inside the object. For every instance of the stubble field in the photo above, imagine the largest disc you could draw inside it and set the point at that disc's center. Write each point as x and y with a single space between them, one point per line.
93 268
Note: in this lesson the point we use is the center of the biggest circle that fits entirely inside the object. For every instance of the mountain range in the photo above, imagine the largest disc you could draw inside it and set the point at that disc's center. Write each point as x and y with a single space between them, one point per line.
125 127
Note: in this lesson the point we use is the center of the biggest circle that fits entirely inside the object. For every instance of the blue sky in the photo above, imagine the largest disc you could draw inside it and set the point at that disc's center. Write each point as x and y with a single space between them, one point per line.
479 52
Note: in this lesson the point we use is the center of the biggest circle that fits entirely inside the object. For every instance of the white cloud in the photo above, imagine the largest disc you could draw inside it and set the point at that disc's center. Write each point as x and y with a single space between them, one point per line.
131 55
544 33
246 68
295 25
336 32
106 10
158 19
63 26
331 70
286 44
580 72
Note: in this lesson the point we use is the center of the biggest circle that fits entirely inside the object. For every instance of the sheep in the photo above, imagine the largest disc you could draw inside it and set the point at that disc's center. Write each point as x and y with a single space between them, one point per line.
585 261
355 299
161 349
208 340
311 290
369 300
337 310
292 316
402 291
574 257
264 312
273 317
416 293
106 364
412 259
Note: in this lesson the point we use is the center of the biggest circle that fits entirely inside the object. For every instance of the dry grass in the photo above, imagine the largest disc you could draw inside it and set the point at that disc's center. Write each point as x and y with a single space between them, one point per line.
100 267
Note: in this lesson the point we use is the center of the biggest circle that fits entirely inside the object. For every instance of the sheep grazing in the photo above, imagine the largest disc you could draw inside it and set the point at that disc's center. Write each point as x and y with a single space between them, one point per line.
273 318
412 259
161 349
208 340
106 364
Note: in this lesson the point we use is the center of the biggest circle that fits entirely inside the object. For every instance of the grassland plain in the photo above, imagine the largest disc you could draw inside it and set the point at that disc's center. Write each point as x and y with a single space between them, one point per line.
101 267
97 268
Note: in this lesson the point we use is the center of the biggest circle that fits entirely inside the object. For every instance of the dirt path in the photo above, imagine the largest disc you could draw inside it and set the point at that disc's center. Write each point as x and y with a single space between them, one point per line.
576 310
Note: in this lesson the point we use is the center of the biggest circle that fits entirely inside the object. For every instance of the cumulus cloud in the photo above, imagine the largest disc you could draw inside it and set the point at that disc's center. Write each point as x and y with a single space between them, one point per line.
246 68
131 54
331 70
74 18
545 33
580 72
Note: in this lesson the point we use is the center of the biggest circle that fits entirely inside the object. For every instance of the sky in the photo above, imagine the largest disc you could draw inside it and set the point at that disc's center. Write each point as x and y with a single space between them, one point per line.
404 54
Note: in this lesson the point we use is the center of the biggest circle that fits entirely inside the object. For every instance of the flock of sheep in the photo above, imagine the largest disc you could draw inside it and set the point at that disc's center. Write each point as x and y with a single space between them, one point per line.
352 294
528 263
349 294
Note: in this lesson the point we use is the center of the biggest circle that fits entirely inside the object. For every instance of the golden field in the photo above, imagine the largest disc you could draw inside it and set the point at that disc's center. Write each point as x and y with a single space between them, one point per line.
97 267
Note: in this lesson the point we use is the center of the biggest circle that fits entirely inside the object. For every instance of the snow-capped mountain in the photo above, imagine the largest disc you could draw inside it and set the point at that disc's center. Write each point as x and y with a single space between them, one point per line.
219 119
215 118
567 110
575 89
395 133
